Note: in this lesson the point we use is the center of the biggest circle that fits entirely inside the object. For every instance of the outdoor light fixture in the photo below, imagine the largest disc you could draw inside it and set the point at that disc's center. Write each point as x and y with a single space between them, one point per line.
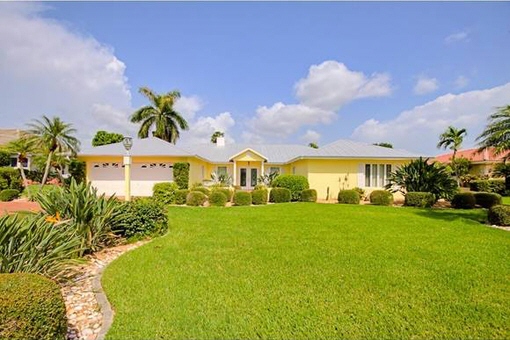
128 143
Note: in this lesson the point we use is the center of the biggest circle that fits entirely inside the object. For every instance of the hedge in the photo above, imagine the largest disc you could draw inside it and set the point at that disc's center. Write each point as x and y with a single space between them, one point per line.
463 200
349 196
8 195
490 185
309 195
499 215
419 199
487 199
180 196
203 190
165 192
295 183
143 217
226 191
10 178
181 175
196 198
259 196
381 197
242 198
217 199
31 307
279 195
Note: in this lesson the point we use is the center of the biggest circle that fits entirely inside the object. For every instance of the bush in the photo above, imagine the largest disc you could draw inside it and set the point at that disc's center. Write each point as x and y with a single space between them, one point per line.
217 199
360 191
180 196
420 199
490 185
143 217
10 178
242 198
196 198
181 175
279 195
30 244
31 191
8 195
464 200
295 183
226 191
499 215
165 192
77 171
259 196
203 190
5 158
31 307
309 195
487 199
381 197
349 196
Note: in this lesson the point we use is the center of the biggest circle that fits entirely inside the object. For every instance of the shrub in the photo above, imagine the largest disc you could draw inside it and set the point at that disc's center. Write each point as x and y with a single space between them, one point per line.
464 200
242 198
203 190
381 197
295 183
196 198
420 199
181 175
490 185
77 170
499 215
10 178
309 195
226 191
8 195
180 196
259 196
5 158
279 195
487 199
217 199
143 217
31 307
30 244
165 192
31 191
349 197
360 191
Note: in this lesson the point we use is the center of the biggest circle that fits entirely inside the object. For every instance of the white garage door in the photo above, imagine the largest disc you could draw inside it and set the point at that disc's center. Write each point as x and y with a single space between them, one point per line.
108 178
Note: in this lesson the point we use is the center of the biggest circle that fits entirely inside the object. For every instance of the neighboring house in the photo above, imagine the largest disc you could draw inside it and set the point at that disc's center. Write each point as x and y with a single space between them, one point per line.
482 162
340 165
8 135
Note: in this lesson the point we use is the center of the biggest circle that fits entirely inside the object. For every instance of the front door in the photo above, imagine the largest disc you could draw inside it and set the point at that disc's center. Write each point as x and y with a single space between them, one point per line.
248 177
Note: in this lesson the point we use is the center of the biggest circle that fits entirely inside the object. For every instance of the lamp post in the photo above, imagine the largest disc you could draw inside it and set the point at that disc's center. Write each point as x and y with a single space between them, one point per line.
128 143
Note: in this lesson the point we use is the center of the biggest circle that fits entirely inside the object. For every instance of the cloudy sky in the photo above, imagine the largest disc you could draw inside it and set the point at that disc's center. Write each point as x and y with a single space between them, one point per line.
262 72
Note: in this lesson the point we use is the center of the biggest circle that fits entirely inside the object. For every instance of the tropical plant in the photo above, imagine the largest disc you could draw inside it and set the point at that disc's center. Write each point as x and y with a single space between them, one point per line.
384 145
160 115
420 175
497 132
22 148
215 135
267 179
53 135
104 138
221 179
502 170
452 138
313 145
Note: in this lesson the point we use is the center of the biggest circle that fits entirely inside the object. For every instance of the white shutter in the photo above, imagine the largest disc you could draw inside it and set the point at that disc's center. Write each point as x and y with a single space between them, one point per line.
361 175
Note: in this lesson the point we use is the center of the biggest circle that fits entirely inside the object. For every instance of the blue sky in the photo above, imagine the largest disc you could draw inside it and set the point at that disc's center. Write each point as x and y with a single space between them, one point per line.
282 72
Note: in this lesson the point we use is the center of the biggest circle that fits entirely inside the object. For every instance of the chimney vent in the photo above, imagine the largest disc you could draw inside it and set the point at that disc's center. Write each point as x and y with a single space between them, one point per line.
220 141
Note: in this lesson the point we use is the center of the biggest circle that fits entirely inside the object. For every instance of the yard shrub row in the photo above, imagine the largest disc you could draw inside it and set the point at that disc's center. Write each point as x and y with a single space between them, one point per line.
217 199
279 195
10 178
142 217
309 195
381 197
489 185
196 198
242 198
463 200
181 175
487 199
420 199
499 215
259 196
349 197
165 192
8 195
295 183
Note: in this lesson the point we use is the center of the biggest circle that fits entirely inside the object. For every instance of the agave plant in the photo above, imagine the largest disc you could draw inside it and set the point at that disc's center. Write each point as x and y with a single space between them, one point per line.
267 179
221 179
33 245
423 176
91 216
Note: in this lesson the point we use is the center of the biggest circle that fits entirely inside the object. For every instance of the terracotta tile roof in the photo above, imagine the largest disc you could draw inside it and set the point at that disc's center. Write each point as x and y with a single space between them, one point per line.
474 156
7 135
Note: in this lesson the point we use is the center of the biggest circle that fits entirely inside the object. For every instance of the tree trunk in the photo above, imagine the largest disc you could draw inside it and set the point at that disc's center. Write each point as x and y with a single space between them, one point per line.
22 171
454 166
47 169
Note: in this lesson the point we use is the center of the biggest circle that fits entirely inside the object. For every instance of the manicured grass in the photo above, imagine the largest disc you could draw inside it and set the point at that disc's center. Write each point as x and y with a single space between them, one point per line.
307 271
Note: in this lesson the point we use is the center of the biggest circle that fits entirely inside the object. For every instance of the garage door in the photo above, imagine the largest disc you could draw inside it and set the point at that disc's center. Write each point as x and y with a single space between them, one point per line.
108 178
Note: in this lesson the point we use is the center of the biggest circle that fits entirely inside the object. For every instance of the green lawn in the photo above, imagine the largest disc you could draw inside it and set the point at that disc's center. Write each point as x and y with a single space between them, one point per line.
306 271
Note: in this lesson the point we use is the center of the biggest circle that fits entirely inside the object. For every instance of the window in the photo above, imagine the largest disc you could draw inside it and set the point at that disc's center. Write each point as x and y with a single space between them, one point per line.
221 170
376 175
274 170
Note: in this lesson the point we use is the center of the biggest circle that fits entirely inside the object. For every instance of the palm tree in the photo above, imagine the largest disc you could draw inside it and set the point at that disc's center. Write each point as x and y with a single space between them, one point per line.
53 135
452 138
161 115
215 136
22 147
313 145
497 133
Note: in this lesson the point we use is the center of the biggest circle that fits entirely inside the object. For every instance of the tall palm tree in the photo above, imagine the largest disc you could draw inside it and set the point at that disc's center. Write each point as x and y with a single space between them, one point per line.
497 132
215 136
22 147
452 138
54 136
160 115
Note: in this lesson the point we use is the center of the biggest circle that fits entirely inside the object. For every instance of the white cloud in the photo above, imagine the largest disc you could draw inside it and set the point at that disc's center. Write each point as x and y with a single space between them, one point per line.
188 106
418 128
456 37
461 82
48 69
425 85
202 129
331 85
311 136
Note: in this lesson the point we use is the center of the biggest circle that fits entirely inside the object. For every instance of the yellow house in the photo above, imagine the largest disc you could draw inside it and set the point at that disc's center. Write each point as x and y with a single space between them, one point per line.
343 164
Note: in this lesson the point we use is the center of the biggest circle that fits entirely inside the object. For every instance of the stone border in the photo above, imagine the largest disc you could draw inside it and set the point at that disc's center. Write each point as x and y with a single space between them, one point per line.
102 301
